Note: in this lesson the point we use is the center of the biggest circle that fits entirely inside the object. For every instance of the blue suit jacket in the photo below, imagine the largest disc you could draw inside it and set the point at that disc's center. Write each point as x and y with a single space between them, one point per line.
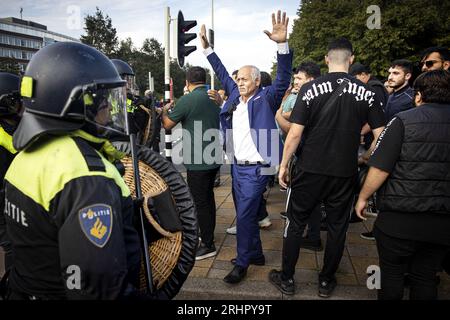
261 107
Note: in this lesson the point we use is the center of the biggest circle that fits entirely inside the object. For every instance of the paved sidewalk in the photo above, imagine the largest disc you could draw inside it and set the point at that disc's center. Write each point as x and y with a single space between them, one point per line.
205 280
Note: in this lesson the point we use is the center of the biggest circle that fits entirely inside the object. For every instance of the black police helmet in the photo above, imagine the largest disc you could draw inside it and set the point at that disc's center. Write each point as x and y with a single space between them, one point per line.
52 88
122 67
9 93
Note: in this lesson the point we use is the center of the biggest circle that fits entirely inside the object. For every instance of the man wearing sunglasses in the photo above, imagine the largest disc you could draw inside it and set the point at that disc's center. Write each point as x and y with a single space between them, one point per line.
435 58
409 168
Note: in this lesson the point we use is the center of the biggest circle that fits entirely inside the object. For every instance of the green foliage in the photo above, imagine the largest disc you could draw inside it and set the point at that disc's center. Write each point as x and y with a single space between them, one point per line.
407 28
9 65
149 58
100 33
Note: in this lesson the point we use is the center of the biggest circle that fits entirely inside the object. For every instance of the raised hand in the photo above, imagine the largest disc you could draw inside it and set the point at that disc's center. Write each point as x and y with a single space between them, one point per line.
203 37
279 26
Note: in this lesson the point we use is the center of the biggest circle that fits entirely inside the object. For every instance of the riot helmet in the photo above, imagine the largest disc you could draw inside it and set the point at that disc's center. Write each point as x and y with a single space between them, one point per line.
67 86
127 74
9 94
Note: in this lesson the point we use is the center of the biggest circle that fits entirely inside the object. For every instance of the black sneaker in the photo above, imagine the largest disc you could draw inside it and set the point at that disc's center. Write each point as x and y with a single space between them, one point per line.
311 244
283 214
204 252
285 286
326 288
367 235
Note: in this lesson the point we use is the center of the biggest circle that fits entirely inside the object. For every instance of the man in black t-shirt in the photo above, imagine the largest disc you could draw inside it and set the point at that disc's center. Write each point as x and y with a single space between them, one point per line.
328 161
410 170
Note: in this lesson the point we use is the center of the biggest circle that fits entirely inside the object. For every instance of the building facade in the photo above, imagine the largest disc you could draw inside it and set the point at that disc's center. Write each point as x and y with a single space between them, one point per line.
20 39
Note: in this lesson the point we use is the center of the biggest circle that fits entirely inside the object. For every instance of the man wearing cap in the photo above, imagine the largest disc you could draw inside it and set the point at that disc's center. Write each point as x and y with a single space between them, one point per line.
362 73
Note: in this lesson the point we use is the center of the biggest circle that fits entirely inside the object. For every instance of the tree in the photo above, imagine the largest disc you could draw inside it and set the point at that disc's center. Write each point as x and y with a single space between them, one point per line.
149 58
9 65
125 51
100 33
407 28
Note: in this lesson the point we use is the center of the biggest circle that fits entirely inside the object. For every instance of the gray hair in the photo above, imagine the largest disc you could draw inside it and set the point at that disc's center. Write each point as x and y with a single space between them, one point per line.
254 72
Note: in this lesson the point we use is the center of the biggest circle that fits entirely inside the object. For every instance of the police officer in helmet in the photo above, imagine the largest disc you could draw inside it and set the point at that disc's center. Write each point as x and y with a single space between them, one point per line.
140 110
127 74
68 210
9 117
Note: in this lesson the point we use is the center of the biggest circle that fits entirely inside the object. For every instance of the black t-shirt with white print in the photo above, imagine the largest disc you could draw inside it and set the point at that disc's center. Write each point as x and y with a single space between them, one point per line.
330 144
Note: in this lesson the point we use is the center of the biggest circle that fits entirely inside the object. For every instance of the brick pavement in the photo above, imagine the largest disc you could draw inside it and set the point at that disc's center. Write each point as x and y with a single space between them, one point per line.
205 280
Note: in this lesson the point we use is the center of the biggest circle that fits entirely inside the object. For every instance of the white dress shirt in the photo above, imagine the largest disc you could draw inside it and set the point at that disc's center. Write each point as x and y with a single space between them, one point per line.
243 145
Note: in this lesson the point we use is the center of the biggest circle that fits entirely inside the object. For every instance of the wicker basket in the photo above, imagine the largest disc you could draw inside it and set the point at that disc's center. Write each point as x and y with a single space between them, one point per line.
164 252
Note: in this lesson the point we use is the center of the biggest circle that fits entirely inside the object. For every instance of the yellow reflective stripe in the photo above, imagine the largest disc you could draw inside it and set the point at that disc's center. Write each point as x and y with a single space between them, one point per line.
107 149
42 173
130 107
26 87
88 100
6 141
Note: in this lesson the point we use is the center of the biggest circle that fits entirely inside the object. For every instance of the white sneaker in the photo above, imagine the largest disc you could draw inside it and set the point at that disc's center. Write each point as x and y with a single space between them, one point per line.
265 223
232 230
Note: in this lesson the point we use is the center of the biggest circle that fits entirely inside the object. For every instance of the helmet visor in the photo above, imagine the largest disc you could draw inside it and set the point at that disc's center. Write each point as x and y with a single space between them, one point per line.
106 108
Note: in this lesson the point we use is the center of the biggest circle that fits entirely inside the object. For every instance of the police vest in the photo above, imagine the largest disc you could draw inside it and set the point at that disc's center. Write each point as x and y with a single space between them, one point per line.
420 181
36 177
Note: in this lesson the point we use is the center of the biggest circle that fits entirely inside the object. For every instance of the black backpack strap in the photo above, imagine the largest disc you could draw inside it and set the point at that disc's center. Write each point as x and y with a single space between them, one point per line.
333 98
330 102
92 158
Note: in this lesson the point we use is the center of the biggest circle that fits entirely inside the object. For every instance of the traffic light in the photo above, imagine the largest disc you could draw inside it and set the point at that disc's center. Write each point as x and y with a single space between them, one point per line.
183 37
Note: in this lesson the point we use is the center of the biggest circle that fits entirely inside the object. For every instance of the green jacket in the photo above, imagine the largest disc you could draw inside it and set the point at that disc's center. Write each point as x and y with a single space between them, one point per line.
198 114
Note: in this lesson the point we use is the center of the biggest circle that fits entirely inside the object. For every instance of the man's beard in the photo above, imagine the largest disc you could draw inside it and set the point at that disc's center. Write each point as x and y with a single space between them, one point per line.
395 87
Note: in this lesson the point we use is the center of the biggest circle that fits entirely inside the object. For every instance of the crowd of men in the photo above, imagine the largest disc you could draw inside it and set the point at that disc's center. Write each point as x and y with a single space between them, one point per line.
57 149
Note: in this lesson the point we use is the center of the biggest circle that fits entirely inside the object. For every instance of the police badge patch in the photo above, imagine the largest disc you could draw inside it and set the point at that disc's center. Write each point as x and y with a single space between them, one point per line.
96 221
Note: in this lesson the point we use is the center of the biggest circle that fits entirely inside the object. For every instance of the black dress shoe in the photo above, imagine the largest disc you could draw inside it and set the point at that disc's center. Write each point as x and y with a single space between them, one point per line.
236 275
257 262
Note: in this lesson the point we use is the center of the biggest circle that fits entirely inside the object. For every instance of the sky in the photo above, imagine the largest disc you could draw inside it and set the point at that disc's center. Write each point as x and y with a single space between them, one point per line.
238 24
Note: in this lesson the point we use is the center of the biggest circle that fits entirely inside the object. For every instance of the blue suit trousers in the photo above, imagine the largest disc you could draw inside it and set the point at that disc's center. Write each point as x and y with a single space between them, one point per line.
248 189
